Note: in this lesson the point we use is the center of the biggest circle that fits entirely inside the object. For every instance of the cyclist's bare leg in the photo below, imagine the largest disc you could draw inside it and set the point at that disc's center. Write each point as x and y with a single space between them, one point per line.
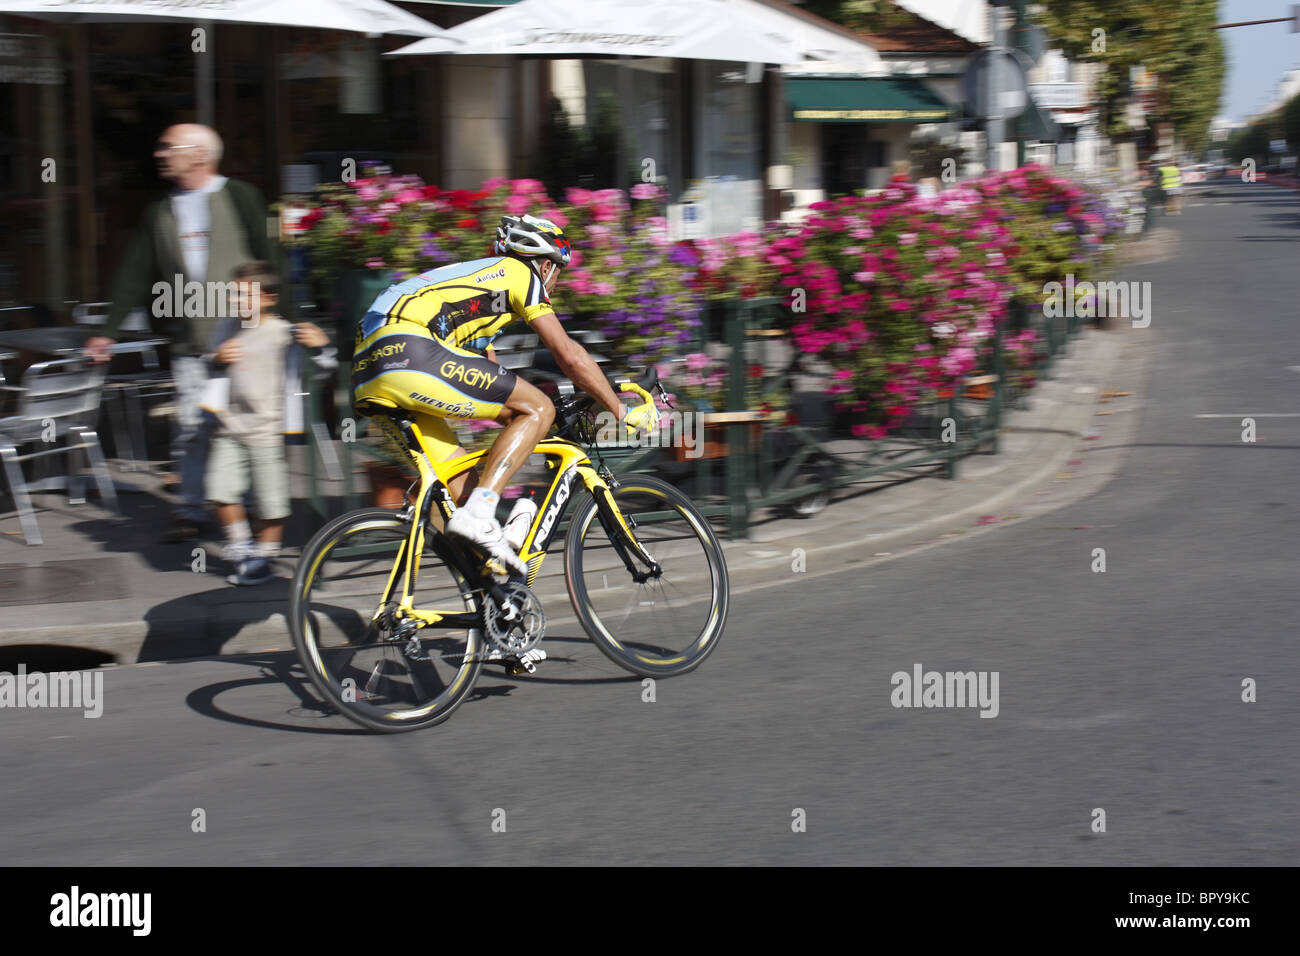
527 417
464 483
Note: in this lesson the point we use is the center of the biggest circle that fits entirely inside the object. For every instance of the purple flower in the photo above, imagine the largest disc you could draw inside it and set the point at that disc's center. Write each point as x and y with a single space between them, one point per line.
684 255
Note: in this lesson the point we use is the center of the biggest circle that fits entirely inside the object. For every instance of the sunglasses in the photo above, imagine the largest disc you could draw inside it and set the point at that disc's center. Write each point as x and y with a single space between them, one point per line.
160 146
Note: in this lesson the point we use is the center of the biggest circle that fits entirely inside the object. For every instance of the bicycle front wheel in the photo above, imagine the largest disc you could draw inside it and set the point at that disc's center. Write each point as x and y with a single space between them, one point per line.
340 616
670 622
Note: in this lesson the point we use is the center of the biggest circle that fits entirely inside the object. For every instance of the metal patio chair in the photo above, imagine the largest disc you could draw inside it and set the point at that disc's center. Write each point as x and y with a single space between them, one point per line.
57 406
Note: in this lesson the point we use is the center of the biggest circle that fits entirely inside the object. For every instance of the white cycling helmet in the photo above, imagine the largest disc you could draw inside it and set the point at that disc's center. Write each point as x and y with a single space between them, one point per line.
532 238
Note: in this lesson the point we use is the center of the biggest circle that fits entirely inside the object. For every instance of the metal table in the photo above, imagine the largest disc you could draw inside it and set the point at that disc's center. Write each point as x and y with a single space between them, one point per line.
62 340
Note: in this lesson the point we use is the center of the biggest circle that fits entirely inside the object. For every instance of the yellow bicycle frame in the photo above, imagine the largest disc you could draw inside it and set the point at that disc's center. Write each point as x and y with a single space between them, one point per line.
569 461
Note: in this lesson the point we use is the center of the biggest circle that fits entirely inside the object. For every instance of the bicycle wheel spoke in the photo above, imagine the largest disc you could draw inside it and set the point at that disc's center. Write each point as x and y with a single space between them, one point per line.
670 621
354 649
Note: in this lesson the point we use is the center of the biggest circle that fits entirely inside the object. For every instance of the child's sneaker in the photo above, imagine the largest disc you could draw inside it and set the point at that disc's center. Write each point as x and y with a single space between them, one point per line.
237 552
252 571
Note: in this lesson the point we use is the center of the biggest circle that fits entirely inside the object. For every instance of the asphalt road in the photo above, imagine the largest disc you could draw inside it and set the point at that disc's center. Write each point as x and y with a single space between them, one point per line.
1119 691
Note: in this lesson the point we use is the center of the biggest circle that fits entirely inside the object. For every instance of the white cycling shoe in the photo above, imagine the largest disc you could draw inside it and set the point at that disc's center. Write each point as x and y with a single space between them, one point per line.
487 534
495 654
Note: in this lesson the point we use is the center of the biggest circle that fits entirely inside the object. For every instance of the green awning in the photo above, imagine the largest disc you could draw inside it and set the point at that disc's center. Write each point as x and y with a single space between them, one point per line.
885 100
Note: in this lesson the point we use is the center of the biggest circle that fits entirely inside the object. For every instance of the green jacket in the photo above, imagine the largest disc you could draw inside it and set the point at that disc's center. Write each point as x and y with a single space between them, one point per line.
154 255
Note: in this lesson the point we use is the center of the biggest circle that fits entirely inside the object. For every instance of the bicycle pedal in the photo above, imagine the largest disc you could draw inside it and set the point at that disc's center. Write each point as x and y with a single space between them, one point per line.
527 663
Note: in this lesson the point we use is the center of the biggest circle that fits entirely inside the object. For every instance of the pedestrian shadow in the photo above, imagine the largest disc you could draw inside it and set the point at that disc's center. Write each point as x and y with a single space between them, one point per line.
142 518
201 624
136 531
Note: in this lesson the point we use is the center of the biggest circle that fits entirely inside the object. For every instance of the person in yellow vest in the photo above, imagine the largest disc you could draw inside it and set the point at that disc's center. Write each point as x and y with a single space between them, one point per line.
1171 181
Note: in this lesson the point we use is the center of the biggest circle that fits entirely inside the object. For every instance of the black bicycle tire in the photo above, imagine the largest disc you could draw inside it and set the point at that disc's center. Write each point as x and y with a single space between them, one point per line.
582 605
311 553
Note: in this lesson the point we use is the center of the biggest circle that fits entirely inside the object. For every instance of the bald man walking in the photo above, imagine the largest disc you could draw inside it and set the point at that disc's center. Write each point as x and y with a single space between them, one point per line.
203 231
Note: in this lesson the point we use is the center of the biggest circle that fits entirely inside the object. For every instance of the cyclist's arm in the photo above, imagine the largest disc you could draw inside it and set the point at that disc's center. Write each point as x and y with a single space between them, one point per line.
576 363
491 354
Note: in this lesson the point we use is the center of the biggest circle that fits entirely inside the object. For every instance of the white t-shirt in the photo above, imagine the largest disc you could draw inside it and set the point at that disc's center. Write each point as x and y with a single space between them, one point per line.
194 224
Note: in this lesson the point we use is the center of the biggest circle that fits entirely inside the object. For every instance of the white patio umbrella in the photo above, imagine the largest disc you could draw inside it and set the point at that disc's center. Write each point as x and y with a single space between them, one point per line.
371 17
359 16
747 31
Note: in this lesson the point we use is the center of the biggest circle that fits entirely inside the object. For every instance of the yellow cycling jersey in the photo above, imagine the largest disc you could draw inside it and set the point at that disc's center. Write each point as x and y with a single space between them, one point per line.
467 304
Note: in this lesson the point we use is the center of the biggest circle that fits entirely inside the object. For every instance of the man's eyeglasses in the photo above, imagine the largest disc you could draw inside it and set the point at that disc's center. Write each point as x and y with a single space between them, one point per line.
163 147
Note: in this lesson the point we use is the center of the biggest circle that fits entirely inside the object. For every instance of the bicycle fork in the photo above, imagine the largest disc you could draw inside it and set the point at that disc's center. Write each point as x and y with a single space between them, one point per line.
619 530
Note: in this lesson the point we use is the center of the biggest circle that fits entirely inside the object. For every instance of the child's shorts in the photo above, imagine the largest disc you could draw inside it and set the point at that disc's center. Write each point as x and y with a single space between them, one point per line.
231 465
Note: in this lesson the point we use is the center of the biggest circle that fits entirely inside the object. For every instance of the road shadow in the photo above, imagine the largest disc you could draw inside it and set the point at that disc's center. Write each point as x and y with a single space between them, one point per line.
200 625
282 669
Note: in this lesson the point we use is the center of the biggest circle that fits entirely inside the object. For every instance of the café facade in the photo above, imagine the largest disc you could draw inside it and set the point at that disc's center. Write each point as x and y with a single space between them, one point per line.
83 104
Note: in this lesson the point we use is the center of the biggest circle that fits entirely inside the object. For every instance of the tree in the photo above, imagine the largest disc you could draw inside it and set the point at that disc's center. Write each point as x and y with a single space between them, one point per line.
1172 39
1290 123
1252 141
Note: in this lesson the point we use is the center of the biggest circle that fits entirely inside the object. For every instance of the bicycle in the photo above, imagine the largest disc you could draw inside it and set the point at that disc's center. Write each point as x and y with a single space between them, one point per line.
392 666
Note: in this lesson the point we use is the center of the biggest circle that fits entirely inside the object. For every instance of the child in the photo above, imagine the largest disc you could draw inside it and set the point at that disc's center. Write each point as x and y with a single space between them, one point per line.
248 447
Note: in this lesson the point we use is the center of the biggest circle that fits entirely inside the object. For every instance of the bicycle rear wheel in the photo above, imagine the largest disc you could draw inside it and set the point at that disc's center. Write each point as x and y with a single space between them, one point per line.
347 640
669 623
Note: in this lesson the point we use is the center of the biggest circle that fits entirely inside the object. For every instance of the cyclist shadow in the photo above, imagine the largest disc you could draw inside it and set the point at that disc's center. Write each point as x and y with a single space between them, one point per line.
281 669
274 669
573 661
305 713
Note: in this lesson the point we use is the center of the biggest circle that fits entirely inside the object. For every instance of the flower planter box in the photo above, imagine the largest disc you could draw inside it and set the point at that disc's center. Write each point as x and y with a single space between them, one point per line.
716 425
388 484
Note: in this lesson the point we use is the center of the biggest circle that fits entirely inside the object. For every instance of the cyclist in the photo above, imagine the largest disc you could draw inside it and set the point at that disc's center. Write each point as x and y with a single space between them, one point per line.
425 345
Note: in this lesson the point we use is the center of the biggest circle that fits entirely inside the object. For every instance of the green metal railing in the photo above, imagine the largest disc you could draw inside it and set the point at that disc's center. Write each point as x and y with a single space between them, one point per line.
751 476
754 479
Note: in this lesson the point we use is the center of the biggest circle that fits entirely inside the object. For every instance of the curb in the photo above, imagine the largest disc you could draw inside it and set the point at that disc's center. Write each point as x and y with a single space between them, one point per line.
1061 436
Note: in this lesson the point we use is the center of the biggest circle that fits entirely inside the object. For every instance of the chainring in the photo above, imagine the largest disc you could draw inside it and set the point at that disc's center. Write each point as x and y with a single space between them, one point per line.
521 635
